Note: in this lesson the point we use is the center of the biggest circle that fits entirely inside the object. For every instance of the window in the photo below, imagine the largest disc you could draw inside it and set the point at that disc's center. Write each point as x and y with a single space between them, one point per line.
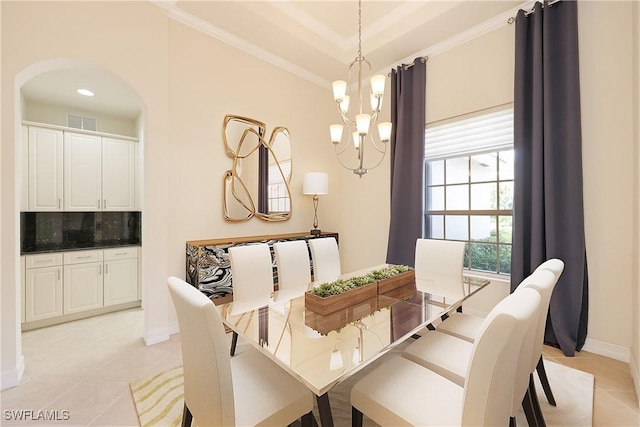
469 187
278 196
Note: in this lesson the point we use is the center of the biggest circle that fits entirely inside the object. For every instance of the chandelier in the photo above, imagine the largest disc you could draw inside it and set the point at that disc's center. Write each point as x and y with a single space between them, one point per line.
359 125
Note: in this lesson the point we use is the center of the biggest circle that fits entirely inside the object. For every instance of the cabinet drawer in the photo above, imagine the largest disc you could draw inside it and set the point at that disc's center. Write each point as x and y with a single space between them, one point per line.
121 253
78 257
43 260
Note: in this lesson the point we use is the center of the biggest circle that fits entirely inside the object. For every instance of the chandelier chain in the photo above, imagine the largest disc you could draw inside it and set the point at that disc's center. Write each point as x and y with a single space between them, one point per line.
359 28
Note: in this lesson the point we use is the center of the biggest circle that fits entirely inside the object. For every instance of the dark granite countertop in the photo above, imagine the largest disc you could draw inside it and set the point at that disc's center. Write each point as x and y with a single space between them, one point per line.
68 247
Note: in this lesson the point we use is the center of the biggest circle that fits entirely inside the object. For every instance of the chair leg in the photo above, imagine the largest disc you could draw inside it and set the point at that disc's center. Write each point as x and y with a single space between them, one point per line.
529 412
234 342
535 403
186 417
512 422
356 417
307 420
542 374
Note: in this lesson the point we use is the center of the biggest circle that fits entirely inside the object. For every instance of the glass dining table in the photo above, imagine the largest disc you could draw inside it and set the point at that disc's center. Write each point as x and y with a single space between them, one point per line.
320 351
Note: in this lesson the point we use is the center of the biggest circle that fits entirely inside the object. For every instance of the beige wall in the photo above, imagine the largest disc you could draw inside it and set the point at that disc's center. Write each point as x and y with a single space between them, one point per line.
56 115
635 356
606 77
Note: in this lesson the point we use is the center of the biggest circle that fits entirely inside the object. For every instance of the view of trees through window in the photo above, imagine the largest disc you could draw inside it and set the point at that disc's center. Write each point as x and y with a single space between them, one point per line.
470 198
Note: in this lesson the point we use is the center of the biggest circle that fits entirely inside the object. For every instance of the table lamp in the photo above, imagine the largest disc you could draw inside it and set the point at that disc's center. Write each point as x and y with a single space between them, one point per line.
315 183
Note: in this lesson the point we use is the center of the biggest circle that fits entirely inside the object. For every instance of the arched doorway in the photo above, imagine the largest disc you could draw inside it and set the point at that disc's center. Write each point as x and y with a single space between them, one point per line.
43 91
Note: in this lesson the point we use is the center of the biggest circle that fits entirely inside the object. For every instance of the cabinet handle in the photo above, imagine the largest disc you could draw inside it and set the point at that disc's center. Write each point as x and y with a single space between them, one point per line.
100 270
58 203
104 203
84 257
106 269
98 203
40 261
58 274
121 253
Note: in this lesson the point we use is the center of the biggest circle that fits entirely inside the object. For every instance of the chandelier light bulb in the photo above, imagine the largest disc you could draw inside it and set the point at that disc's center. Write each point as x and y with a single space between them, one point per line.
344 104
336 133
356 139
384 130
377 84
339 90
362 123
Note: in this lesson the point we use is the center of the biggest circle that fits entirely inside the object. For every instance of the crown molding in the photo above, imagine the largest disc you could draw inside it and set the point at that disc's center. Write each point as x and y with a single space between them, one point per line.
205 27
239 43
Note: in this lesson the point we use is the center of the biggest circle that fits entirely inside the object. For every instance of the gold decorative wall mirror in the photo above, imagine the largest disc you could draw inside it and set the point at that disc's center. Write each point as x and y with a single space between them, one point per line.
258 182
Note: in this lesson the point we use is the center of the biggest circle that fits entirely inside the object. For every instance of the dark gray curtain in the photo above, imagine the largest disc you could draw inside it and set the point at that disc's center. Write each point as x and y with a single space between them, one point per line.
407 158
548 217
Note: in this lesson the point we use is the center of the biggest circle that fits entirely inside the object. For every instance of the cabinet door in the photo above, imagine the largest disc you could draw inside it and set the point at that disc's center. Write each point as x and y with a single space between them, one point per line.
82 172
45 169
118 180
120 281
43 293
83 287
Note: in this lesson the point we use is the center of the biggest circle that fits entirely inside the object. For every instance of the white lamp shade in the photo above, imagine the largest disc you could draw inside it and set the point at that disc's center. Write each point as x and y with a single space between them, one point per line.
344 104
384 130
377 84
339 89
356 139
315 183
362 123
336 360
336 133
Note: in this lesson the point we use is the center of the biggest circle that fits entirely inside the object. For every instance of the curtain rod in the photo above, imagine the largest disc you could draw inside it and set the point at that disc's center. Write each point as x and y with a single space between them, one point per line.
512 19
422 59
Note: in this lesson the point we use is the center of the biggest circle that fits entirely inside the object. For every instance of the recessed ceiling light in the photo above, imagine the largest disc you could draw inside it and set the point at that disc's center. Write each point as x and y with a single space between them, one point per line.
85 92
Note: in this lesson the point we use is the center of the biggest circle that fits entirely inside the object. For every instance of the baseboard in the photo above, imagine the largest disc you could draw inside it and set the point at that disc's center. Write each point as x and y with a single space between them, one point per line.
606 349
12 378
161 334
635 374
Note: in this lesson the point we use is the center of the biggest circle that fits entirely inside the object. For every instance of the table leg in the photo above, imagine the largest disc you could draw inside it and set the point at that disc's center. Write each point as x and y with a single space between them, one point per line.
326 419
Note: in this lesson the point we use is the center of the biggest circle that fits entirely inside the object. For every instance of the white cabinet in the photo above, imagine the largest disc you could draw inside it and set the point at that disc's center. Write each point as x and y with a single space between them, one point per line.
45 169
118 175
82 172
67 283
43 286
83 281
99 173
120 275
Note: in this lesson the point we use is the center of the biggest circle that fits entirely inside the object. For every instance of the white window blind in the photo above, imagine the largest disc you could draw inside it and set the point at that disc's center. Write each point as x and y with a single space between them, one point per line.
474 135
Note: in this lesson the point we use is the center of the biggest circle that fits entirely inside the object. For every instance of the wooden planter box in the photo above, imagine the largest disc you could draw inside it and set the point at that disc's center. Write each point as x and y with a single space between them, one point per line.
334 303
398 281
340 318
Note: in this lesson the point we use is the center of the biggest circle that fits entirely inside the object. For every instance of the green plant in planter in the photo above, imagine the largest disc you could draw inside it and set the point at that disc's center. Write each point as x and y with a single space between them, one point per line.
342 285
390 271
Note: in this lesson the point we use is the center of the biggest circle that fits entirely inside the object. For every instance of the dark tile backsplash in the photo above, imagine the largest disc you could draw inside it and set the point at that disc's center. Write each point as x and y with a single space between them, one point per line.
58 231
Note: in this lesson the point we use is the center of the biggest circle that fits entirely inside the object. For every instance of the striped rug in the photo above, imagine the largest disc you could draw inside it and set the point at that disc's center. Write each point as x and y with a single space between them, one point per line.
159 398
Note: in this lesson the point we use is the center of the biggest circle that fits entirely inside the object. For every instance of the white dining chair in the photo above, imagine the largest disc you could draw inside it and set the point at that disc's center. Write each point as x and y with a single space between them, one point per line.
251 279
325 258
294 268
438 267
449 355
401 392
466 326
246 390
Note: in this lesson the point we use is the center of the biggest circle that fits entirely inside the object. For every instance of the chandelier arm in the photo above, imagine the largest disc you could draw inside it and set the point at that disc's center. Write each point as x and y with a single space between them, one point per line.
342 163
384 146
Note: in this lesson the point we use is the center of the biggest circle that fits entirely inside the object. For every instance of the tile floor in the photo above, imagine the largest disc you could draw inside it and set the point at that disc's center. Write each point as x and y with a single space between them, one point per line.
85 367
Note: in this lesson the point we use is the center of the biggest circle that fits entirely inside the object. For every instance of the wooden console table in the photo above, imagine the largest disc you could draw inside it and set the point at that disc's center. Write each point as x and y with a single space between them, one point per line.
208 267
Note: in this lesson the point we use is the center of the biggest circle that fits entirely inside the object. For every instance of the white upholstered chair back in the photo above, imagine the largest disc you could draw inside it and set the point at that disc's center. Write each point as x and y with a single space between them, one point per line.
555 265
326 259
251 275
438 267
208 386
492 372
294 268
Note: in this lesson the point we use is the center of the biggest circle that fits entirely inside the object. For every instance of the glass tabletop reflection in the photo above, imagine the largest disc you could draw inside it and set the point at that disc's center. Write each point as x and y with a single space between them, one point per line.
322 350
